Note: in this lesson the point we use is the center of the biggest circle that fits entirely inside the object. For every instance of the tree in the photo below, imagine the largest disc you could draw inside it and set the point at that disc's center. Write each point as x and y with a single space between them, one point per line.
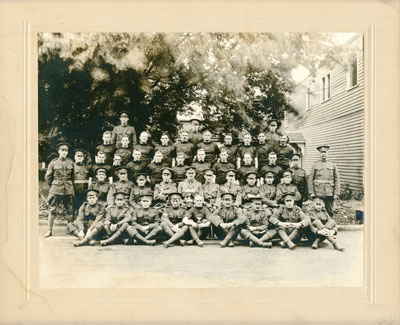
238 79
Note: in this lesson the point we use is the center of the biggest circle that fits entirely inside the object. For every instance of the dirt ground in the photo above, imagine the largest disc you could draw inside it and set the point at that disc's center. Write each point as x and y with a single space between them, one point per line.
120 266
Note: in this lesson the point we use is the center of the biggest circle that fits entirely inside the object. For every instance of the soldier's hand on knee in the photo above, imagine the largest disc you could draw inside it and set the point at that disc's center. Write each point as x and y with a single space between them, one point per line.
81 235
175 228
113 227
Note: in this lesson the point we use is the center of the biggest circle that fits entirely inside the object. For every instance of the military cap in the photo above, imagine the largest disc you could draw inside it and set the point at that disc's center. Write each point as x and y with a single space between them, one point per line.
195 119
92 192
288 194
119 193
230 171
296 155
272 120
268 172
255 198
322 147
318 198
124 113
250 172
100 169
287 171
146 194
140 174
209 170
63 143
228 193
167 168
122 168
190 168
174 193
80 150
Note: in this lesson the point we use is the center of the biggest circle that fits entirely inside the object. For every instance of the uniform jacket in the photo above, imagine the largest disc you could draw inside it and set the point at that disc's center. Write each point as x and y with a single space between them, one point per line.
81 178
300 180
146 217
88 214
198 214
211 149
284 153
120 131
200 168
227 215
322 216
60 176
257 219
119 186
268 193
294 215
248 192
220 171
135 193
241 173
211 192
173 216
103 189
190 188
162 189
281 189
275 168
118 215
324 179
231 188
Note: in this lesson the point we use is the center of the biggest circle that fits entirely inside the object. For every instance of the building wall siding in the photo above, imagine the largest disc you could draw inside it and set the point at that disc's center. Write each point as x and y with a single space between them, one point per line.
337 122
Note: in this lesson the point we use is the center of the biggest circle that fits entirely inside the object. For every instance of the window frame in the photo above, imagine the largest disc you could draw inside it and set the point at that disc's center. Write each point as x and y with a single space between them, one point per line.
326 77
350 72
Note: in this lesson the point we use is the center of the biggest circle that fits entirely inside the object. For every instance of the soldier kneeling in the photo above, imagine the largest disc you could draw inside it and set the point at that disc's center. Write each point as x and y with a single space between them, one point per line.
172 220
145 223
322 225
291 222
256 223
117 219
88 223
227 220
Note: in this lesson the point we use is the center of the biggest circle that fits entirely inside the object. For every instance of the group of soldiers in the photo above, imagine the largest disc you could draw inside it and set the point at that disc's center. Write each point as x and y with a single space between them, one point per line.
137 192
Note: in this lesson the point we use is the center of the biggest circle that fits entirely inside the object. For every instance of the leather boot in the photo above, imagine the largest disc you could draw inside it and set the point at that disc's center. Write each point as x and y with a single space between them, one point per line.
231 233
178 235
111 239
88 237
50 223
334 244
315 243
255 240
196 237
144 240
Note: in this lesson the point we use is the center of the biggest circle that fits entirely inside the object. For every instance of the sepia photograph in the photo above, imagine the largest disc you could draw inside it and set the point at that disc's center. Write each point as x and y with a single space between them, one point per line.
201 160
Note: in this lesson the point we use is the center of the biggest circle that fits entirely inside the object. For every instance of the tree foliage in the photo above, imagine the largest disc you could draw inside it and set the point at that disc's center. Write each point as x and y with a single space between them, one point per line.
237 79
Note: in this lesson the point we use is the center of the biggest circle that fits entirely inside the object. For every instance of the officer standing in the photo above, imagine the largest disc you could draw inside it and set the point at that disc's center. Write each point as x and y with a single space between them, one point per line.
123 129
324 180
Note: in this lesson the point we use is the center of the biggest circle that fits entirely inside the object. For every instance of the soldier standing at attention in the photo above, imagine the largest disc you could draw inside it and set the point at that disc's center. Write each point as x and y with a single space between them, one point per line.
60 177
81 180
195 136
107 147
271 136
324 180
299 176
284 152
123 129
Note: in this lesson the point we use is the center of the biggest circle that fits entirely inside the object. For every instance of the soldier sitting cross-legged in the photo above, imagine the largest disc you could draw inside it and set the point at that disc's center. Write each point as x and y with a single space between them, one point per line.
89 220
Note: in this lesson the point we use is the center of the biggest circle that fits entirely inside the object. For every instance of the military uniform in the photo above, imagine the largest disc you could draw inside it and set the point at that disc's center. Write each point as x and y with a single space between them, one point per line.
191 188
232 153
211 194
125 154
324 181
242 171
167 152
145 217
220 171
268 194
119 131
119 186
259 220
284 153
179 173
227 215
200 167
155 170
187 148
137 167
211 149
89 216
103 189
174 217
114 171
136 193
198 216
108 150
163 189
105 166
81 182
299 177
146 150
272 168
247 192
290 236
282 189
231 188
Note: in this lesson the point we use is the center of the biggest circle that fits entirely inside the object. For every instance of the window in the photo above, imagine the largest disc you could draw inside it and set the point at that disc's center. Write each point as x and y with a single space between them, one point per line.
352 77
308 98
326 87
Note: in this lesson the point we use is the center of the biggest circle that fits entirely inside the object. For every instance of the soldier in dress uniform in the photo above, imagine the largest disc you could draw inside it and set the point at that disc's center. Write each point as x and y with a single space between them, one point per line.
189 186
231 185
122 185
247 148
272 166
246 167
100 184
222 166
299 178
137 165
166 148
107 147
123 129
195 136
186 147
227 220
179 168
322 224
284 152
145 223
81 180
165 187
196 219
172 220
155 168
210 148
263 150
324 180
256 223
117 219
144 147
124 151
210 190
271 136
287 187
201 165
138 190
268 190
89 220
230 148
290 222
60 177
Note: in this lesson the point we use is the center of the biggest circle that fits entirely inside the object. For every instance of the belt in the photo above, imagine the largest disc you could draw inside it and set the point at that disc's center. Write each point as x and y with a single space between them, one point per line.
81 181
62 180
318 181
